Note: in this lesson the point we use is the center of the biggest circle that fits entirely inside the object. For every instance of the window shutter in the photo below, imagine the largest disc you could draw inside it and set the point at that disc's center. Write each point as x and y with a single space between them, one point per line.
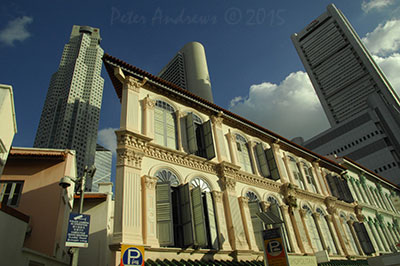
208 140
273 167
363 237
198 218
348 194
186 215
170 130
191 134
164 214
332 185
159 126
262 160
211 221
2 190
258 226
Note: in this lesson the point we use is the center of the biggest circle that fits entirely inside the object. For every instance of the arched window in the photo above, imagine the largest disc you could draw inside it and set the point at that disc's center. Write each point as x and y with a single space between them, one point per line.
310 177
349 234
274 208
166 176
243 154
312 229
298 177
258 226
164 124
326 233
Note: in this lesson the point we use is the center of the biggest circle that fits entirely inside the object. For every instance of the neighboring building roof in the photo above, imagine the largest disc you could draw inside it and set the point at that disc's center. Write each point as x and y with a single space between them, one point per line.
92 196
111 62
39 153
8 87
101 148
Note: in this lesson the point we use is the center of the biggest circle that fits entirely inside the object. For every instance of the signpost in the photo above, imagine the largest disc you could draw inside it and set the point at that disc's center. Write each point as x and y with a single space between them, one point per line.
132 255
274 248
78 230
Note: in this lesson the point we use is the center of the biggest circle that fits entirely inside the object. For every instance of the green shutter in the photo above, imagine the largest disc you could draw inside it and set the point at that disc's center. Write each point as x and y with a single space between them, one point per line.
258 226
186 215
198 218
262 160
164 214
159 126
191 134
364 239
211 221
208 140
273 167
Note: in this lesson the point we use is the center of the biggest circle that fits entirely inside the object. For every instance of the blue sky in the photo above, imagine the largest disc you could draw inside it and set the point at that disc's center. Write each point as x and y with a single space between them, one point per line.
253 65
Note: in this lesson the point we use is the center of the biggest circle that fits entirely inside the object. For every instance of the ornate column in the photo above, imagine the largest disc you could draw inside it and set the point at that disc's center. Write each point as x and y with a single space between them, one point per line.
130 103
356 189
387 236
128 227
247 224
253 158
179 115
294 247
316 217
317 173
221 220
303 174
149 211
355 237
376 237
275 150
231 144
339 231
303 222
219 137
382 235
334 234
148 117
363 196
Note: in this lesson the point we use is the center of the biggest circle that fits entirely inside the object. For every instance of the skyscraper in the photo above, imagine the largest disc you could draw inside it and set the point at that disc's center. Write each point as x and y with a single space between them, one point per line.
188 70
361 106
102 161
71 111
341 69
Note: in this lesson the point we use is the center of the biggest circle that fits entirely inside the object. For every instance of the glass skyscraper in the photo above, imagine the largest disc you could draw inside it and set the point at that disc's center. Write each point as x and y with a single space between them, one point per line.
71 111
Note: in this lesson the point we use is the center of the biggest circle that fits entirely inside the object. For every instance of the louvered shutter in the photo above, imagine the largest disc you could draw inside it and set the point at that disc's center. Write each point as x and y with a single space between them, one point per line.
262 160
186 215
159 126
191 134
208 140
164 214
273 167
258 226
363 237
170 130
211 221
198 218
347 191
2 190
332 185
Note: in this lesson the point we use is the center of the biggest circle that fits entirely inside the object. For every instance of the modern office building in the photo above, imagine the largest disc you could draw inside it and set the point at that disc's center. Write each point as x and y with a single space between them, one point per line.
71 111
102 161
188 70
341 69
192 176
361 106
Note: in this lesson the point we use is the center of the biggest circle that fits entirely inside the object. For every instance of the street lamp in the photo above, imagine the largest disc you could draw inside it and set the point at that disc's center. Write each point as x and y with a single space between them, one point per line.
65 182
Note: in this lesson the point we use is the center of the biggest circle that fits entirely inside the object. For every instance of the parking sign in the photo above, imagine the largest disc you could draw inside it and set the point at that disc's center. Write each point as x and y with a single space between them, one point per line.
132 255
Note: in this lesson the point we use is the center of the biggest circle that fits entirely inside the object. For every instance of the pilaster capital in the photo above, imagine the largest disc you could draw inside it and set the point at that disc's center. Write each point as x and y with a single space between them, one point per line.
217 196
302 213
316 215
289 193
226 169
217 120
148 103
330 203
379 187
362 179
379 217
134 84
265 205
129 157
150 182
358 212
179 114
230 136
244 201
130 139
228 184
329 217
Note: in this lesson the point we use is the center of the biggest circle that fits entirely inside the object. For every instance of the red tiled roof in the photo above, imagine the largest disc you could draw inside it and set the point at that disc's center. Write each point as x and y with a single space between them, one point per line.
37 153
110 62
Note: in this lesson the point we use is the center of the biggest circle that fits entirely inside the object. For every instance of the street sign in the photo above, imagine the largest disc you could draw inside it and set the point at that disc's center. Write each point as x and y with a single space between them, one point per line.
274 248
78 230
132 255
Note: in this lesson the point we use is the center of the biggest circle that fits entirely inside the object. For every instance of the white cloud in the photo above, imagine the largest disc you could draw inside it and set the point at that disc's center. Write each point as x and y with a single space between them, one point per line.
385 38
290 108
367 6
16 30
108 139
391 67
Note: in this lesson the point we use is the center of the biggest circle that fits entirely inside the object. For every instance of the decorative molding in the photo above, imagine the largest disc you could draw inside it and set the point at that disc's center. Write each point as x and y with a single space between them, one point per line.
217 120
217 196
148 103
257 181
309 196
330 203
244 201
129 157
134 84
228 184
288 191
150 182
358 212
129 139
302 213
226 169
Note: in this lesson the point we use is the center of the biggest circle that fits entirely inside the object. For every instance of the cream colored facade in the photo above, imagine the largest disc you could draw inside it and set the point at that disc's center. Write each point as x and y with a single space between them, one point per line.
8 123
236 177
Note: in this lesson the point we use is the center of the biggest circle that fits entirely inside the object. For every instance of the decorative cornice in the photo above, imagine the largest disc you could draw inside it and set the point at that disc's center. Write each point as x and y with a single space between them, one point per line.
257 181
226 169
150 182
129 139
309 196
134 84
